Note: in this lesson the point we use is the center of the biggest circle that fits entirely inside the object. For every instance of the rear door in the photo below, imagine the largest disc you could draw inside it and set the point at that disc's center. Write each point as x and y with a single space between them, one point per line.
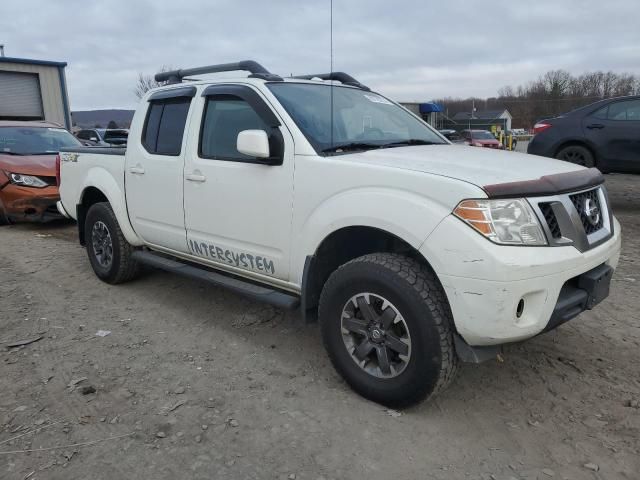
154 170
238 208
615 129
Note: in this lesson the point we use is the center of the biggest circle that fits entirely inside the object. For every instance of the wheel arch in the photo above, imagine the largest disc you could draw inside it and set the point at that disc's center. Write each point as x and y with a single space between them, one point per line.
580 142
103 188
341 246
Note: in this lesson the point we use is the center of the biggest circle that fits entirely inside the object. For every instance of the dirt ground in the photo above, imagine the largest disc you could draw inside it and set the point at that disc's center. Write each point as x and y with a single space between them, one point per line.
194 382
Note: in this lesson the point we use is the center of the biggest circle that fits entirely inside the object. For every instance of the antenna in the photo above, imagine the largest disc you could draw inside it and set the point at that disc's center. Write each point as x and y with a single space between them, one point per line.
331 64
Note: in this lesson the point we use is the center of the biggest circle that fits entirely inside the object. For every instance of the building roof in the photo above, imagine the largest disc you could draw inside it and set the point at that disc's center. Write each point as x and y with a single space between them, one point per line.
28 61
486 115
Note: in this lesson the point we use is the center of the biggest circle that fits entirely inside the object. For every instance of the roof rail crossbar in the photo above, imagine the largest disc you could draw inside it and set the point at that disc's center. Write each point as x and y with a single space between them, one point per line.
256 70
341 77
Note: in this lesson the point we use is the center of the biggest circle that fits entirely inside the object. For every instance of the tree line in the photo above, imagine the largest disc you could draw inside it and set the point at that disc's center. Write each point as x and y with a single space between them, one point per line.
552 94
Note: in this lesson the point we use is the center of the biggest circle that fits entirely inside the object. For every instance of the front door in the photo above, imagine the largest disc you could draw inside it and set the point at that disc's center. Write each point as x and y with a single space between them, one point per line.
238 208
615 128
154 171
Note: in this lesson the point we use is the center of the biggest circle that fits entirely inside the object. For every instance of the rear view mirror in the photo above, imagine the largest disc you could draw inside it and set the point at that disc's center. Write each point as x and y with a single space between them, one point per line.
254 143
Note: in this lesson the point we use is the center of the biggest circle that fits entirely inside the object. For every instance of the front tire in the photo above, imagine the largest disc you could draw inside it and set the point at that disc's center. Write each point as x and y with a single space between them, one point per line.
387 328
108 250
576 154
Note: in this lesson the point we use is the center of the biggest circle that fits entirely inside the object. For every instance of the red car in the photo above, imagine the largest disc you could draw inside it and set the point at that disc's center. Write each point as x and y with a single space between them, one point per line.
481 138
28 187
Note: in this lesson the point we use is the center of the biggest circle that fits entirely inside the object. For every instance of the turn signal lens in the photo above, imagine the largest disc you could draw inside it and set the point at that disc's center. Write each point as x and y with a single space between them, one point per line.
507 222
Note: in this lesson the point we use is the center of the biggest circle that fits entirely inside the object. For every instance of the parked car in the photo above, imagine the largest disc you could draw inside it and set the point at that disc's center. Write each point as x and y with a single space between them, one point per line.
481 138
452 135
414 253
605 134
28 189
103 137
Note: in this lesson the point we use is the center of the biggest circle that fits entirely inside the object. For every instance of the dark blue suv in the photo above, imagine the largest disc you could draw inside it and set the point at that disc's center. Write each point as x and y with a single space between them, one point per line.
605 134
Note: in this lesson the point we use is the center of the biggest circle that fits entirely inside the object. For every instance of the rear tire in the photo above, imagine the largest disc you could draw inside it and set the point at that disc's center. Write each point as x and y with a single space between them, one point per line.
576 154
366 307
108 250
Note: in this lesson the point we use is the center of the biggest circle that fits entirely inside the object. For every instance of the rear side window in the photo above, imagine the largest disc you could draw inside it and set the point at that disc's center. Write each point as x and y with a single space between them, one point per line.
628 111
164 126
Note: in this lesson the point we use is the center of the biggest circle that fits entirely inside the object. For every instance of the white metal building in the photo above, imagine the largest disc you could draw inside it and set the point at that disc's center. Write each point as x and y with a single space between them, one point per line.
34 90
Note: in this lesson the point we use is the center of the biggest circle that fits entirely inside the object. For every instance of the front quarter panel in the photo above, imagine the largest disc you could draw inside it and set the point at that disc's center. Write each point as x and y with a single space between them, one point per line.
332 193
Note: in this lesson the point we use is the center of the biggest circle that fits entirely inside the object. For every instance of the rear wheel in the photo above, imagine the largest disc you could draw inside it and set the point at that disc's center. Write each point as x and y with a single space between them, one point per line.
576 154
386 325
108 250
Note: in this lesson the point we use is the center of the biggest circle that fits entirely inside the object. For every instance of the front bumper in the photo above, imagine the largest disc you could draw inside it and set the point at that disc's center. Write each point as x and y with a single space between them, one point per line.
485 282
29 204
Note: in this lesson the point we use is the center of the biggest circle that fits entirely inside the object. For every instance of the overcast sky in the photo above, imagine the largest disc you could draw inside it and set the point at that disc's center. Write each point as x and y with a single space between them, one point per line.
410 50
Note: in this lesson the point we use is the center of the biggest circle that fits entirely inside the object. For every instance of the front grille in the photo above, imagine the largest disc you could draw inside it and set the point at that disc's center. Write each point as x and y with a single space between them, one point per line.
550 218
592 220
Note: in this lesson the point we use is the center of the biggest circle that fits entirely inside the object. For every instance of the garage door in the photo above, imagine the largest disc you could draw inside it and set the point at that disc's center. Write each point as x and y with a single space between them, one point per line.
20 96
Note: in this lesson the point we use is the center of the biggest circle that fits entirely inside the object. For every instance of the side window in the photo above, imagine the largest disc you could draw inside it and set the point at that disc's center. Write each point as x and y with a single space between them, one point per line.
224 117
601 113
84 134
625 111
164 126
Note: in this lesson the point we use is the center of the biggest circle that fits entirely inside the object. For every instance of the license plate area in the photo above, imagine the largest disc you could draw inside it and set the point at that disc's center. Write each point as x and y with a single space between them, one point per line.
596 283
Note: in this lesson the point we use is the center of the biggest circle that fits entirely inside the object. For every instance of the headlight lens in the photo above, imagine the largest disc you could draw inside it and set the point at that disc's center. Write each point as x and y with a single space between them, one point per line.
507 222
27 180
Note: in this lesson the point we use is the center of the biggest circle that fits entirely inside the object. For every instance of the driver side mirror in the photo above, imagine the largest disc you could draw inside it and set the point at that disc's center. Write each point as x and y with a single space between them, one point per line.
254 143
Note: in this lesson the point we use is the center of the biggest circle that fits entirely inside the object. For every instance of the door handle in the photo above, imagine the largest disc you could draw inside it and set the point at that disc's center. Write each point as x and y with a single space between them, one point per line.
138 170
195 177
597 126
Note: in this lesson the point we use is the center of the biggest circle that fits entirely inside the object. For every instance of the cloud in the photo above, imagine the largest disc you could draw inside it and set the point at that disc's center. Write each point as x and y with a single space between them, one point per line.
409 50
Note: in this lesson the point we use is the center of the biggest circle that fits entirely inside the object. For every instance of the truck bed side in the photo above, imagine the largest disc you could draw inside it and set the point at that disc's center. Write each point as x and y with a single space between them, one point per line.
95 171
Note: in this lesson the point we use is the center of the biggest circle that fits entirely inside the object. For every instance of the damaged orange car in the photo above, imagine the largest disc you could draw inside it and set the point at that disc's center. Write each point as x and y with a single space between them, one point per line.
28 186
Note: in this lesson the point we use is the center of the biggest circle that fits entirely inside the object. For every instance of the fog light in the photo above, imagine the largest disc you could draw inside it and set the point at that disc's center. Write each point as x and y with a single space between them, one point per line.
520 308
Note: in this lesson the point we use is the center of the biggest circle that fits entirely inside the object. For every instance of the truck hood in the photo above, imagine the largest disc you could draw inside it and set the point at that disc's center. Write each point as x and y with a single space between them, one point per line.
42 165
479 166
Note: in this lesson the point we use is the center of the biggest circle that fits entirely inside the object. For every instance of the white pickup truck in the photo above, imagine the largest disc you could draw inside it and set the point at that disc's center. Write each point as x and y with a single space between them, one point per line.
314 192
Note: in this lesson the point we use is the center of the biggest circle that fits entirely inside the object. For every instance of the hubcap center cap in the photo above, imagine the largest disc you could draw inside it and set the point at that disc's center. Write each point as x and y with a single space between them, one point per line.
376 335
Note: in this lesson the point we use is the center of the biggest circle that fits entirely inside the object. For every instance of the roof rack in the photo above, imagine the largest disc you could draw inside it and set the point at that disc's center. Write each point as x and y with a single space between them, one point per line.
256 70
342 77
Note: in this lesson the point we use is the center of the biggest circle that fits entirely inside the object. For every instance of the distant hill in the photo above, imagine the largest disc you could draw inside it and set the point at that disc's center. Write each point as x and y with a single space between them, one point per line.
91 118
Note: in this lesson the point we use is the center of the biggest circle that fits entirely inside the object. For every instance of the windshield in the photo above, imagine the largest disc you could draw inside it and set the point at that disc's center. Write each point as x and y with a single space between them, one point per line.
483 136
361 119
35 140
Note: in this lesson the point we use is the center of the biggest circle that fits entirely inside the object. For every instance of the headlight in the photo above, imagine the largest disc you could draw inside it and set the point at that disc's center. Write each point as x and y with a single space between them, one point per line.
507 222
27 180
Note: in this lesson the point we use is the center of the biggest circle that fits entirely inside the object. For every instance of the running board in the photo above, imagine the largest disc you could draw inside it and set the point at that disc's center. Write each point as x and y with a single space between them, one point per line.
263 294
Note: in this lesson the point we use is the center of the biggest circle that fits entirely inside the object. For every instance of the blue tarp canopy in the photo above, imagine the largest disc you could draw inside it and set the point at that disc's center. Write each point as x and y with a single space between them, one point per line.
430 108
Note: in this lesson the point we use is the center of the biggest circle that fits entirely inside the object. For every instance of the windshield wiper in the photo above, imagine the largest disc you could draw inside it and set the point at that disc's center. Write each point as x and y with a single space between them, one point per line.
351 146
12 153
409 142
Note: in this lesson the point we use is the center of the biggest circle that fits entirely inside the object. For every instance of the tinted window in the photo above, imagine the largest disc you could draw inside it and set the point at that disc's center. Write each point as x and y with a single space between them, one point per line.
225 116
601 113
625 111
164 127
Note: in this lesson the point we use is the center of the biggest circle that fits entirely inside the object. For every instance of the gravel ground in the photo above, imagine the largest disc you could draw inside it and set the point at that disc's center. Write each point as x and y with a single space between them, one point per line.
195 382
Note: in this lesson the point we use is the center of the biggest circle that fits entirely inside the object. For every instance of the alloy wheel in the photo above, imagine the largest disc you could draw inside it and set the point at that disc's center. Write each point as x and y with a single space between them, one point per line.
376 335
102 244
